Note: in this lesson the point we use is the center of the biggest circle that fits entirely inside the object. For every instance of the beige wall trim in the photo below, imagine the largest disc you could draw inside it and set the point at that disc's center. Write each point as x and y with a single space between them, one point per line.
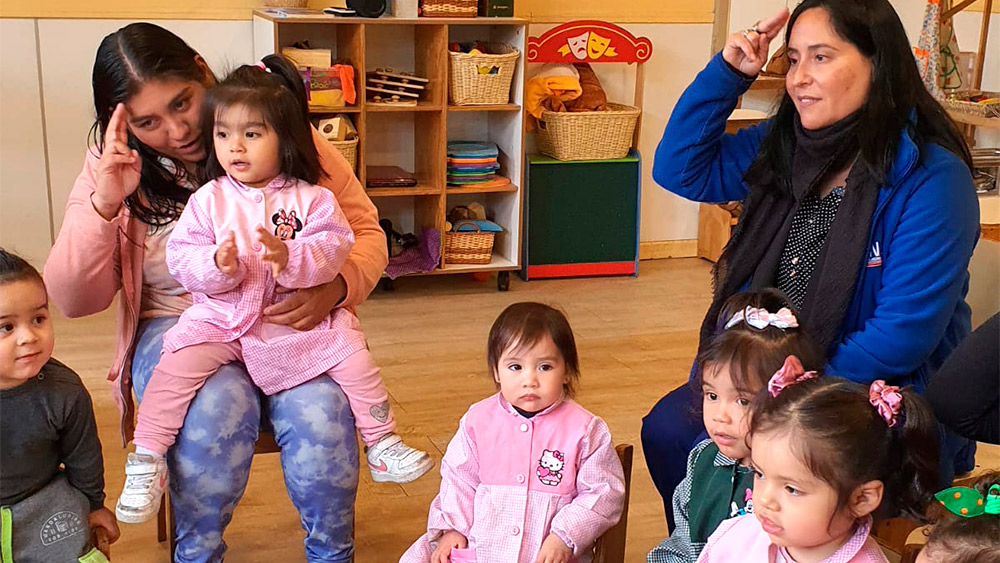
720 26
539 11
656 249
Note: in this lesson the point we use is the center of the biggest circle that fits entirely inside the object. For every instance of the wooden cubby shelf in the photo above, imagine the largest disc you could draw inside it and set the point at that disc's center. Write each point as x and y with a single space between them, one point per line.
404 192
415 138
421 106
486 107
334 109
453 190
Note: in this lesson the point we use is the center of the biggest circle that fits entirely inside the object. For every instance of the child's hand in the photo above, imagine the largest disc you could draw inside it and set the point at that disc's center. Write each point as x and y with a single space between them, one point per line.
103 519
448 541
275 250
553 551
226 257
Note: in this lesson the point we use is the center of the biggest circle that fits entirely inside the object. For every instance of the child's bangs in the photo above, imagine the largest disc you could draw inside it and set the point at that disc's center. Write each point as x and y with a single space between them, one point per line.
749 367
226 98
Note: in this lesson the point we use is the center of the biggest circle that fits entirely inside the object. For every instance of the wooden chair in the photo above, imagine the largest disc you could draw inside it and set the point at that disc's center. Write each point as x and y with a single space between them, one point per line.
610 547
166 524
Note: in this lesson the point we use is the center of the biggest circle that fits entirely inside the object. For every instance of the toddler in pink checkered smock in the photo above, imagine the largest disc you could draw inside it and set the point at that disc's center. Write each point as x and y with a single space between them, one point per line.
260 225
827 454
530 476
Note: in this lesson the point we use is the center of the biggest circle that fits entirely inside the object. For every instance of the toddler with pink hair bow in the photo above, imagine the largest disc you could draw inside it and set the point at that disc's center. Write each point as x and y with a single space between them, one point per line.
827 454
759 335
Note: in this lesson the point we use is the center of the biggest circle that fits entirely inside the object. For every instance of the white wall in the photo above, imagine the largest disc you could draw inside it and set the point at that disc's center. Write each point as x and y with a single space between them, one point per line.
25 224
48 109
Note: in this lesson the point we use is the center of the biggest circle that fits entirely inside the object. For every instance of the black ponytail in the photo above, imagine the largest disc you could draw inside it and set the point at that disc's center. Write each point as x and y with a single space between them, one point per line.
278 93
914 469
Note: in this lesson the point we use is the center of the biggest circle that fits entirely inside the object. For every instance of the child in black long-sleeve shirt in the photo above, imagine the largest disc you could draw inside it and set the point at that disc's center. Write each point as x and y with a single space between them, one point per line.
51 469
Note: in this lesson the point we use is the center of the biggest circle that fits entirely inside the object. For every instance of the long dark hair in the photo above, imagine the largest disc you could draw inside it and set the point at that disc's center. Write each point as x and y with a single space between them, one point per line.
126 60
751 354
896 92
844 441
278 93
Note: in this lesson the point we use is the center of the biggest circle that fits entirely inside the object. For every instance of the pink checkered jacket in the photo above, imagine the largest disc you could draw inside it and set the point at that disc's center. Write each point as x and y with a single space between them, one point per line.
508 481
227 308
742 540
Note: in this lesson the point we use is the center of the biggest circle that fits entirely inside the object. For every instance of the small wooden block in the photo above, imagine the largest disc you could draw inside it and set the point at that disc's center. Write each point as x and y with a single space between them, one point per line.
397 84
402 76
393 92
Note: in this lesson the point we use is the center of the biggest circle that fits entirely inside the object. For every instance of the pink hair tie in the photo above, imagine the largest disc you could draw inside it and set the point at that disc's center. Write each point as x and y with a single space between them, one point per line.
790 373
887 399
262 66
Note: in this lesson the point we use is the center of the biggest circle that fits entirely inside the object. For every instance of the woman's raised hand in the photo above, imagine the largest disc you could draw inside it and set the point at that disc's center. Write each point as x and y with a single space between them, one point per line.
746 50
119 169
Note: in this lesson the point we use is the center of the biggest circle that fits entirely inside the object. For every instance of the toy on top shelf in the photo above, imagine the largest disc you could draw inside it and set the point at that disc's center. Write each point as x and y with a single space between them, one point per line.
394 88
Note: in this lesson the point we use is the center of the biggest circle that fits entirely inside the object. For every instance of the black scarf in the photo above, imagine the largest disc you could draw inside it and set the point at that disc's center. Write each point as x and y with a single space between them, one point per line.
755 248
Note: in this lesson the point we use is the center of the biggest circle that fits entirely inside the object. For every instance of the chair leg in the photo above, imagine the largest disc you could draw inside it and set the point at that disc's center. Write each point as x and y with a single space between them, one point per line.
161 521
172 531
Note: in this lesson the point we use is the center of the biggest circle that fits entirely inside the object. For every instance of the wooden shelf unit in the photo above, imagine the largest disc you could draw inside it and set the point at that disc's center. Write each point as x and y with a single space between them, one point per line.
415 138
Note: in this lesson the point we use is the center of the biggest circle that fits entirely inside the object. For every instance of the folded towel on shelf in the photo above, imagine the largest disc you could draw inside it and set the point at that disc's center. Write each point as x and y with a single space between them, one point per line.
593 97
550 87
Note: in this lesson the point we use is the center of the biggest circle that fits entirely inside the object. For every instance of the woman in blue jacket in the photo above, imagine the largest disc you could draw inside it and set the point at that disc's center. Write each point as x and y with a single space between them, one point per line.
858 203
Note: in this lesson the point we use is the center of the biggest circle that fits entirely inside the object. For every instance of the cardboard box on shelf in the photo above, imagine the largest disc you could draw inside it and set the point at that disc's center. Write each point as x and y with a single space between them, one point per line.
303 58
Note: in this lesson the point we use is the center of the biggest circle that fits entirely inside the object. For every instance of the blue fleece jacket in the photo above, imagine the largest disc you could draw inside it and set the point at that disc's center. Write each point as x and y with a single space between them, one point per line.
908 310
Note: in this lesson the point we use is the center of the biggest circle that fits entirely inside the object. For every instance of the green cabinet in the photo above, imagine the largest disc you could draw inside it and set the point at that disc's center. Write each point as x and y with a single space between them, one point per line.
581 217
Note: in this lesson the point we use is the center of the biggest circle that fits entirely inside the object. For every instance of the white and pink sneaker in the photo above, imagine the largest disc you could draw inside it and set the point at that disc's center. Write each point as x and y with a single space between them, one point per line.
145 480
392 461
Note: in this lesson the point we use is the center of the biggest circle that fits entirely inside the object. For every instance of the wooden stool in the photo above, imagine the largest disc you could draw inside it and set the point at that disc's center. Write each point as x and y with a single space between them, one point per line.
265 445
610 547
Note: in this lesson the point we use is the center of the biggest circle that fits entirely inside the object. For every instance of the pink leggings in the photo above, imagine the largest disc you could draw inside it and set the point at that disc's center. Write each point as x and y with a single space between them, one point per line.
179 375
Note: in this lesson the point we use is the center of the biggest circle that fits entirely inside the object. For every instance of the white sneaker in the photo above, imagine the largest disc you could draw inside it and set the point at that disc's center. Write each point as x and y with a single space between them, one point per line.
145 479
392 461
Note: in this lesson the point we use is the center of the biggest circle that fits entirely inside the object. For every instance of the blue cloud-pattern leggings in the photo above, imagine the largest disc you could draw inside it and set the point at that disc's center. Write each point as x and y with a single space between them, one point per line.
210 462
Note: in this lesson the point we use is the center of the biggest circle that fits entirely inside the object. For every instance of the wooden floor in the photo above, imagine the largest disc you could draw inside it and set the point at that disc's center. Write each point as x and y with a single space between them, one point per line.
636 338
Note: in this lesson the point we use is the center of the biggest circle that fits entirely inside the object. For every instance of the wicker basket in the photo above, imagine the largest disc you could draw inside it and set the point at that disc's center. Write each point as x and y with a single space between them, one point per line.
286 3
982 110
449 8
468 247
468 85
587 135
350 151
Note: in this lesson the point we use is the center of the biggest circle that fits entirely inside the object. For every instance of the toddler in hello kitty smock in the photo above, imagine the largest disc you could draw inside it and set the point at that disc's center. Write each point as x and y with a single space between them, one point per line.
530 476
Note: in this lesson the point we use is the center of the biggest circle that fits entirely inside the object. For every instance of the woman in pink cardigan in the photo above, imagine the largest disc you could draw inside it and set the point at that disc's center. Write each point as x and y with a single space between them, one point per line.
119 216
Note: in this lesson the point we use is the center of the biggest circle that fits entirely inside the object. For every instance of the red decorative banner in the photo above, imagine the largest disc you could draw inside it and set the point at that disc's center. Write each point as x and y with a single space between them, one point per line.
588 41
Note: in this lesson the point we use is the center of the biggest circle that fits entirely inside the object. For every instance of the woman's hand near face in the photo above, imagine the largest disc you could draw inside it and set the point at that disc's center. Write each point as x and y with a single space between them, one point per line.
746 51
119 168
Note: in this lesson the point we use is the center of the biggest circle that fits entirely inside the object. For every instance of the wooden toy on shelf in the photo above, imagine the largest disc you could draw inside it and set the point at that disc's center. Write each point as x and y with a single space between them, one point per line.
402 89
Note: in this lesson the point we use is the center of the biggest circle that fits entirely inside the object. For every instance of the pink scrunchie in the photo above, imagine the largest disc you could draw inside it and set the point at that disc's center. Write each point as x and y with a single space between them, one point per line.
790 373
887 399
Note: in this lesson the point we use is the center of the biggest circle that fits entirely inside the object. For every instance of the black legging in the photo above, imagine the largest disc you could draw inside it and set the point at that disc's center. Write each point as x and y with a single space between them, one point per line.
965 392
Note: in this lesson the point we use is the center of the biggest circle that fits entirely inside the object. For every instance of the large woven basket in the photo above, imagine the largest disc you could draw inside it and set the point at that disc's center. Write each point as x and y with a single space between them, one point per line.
953 101
350 151
483 78
468 247
449 8
587 135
